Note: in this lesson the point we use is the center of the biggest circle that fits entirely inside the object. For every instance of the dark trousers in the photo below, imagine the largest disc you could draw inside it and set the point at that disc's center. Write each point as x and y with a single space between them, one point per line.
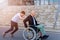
14 28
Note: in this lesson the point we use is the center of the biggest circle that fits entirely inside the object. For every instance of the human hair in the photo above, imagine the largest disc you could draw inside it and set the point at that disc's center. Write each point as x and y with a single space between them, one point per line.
23 12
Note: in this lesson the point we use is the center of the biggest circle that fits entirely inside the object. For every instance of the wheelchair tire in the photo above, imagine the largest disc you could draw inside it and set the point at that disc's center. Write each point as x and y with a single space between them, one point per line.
32 31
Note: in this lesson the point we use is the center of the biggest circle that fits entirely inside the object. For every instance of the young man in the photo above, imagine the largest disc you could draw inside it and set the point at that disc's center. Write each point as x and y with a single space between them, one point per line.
32 21
14 23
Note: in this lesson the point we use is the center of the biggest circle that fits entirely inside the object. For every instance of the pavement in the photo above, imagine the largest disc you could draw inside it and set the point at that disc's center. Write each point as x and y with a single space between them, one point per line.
18 35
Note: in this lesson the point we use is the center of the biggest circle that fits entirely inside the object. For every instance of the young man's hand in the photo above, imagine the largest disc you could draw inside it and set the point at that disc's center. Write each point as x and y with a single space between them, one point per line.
22 18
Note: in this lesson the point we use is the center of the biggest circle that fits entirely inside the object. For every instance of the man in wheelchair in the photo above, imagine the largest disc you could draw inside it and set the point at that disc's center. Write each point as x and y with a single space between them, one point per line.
32 21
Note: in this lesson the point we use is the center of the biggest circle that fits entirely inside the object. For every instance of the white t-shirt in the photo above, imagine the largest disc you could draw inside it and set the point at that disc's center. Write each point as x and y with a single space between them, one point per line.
17 17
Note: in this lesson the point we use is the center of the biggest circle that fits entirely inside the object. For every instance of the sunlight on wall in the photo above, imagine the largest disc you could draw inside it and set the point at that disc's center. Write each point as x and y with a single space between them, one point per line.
3 3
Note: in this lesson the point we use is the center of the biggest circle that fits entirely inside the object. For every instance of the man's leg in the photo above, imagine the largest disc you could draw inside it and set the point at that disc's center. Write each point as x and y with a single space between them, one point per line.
9 30
41 27
12 27
16 28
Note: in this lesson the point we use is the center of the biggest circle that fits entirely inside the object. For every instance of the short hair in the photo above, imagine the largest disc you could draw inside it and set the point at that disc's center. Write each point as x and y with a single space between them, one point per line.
23 12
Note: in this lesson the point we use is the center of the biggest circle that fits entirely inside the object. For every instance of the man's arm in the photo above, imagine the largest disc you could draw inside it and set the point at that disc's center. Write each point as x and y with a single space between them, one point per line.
25 21
36 22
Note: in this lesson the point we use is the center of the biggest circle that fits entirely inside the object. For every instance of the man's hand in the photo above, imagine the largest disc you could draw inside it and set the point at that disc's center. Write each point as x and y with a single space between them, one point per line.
27 29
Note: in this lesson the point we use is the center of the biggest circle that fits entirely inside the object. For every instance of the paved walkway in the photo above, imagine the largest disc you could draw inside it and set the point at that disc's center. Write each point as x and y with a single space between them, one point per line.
18 35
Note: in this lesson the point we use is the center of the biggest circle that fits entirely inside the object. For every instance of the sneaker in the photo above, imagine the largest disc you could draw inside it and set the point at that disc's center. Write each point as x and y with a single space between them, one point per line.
37 39
41 37
4 35
45 36
11 35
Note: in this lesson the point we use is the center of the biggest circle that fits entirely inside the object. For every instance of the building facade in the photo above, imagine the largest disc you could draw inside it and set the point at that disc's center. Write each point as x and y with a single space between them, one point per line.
47 11
32 2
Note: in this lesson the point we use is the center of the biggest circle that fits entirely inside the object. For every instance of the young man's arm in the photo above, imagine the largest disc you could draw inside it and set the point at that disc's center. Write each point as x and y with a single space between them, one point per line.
25 21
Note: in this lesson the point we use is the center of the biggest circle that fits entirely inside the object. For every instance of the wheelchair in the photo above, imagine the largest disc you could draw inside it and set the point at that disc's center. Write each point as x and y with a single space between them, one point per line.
30 34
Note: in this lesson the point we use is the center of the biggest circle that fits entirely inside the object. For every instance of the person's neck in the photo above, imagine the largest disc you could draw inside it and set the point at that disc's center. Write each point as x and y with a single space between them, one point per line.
32 15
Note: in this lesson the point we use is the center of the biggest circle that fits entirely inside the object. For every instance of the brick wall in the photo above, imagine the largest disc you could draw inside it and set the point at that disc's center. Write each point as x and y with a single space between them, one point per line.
45 14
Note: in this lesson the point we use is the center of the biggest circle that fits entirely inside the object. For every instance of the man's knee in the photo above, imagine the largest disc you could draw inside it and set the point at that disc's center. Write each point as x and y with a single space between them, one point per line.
16 29
11 28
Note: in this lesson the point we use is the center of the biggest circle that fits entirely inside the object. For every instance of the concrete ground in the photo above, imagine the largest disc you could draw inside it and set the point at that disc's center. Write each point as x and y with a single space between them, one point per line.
18 35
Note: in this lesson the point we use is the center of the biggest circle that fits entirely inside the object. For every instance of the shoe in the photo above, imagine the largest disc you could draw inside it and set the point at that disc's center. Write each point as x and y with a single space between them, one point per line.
45 36
4 35
41 37
11 35
37 39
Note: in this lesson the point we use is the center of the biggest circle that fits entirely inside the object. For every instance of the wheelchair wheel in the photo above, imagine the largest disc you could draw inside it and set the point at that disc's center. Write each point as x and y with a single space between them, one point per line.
29 34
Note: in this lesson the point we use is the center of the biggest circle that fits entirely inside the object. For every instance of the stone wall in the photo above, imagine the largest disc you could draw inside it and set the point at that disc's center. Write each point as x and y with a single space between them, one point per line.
45 14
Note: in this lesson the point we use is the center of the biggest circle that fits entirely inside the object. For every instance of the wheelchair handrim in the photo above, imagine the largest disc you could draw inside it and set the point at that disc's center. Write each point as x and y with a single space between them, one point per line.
33 36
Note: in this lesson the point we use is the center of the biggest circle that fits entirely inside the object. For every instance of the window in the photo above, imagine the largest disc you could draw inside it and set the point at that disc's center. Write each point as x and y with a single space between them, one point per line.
32 2
50 2
37 2
21 2
44 2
